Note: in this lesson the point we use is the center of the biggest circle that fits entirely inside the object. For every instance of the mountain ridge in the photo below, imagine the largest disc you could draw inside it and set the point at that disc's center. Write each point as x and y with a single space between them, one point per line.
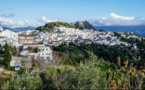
136 29
19 28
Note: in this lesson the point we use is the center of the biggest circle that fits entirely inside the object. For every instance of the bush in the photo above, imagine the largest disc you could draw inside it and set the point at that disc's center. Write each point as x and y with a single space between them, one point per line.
1 61
10 68
24 81
21 71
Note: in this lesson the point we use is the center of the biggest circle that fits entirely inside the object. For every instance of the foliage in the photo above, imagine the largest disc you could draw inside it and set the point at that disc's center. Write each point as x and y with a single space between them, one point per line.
21 71
93 73
10 68
49 26
140 51
23 82
30 49
7 56
1 61
1 49
117 34
87 76
14 51
72 54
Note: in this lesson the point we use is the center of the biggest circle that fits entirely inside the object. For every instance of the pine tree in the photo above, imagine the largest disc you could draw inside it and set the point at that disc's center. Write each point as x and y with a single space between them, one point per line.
7 55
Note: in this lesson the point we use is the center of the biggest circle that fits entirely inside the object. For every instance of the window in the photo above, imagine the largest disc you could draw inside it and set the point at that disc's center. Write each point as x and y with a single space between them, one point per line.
42 53
48 58
42 57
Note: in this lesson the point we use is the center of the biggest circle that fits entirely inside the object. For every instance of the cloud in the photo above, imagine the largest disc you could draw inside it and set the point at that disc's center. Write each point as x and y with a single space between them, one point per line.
10 23
115 16
7 15
23 23
45 20
6 22
115 19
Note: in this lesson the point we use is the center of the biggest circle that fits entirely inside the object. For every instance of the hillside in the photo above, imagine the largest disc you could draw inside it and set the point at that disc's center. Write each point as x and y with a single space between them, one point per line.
49 26
78 25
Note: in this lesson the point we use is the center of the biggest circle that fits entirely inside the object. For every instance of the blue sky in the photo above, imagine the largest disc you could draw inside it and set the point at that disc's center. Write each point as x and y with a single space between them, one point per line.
17 13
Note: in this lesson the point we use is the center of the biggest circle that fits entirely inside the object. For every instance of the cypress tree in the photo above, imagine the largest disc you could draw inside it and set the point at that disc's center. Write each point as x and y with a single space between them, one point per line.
7 55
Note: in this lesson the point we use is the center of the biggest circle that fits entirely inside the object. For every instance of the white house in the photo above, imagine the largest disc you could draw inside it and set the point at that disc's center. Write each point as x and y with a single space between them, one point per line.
11 34
2 40
10 37
20 61
45 53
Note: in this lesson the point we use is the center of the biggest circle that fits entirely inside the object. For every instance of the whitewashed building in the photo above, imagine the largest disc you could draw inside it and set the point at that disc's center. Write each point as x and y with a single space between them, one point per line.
45 53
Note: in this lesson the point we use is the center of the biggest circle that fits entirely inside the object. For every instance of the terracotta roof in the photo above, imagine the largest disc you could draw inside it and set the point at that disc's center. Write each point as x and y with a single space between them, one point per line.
50 43
26 35
2 37
55 41
33 44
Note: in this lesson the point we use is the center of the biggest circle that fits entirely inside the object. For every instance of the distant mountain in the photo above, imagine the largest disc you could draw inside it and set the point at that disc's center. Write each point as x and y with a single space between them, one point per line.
20 28
140 30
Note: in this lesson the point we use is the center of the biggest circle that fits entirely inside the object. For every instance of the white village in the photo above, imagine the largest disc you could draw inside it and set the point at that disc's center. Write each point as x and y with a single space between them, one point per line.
33 44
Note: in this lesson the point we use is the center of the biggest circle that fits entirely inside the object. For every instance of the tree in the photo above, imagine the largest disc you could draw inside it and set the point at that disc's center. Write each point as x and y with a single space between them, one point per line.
23 82
30 49
7 55
14 51
41 63
1 50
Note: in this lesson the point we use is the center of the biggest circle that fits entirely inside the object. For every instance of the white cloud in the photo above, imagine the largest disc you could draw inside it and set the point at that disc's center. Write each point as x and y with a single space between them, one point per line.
25 23
115 19
10 23
115 16
45 20
6 22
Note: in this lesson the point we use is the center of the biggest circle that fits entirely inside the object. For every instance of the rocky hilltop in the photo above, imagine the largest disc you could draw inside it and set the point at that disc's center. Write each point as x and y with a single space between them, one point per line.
84 25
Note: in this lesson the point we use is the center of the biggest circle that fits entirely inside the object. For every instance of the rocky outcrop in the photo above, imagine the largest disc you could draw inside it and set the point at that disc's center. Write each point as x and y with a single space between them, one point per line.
84 25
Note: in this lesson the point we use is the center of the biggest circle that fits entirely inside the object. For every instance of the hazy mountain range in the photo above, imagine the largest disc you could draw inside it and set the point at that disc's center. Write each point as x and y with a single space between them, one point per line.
136 29
20 28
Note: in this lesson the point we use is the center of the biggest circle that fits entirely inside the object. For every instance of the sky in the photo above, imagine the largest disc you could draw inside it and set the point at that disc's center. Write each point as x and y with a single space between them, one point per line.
22 13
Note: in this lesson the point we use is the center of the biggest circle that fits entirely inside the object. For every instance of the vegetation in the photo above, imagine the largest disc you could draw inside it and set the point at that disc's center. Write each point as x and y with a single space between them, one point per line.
23 82
140 51
30 49
14 51
49 26
7 55
1 50
94 73
72 54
